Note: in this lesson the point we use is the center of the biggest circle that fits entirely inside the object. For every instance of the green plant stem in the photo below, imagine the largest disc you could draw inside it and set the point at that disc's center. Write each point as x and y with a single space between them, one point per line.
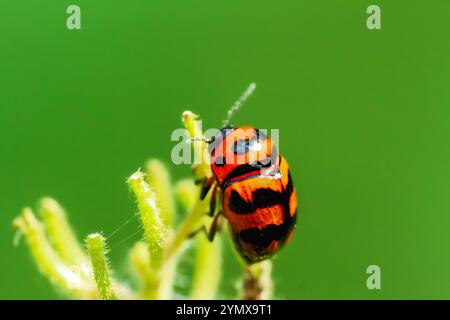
151 285
61 234
187 193
196 215
140 264
202 167
48 261
97 252
207 272
191 223
167 276
257 284
154 228
158 280
158 177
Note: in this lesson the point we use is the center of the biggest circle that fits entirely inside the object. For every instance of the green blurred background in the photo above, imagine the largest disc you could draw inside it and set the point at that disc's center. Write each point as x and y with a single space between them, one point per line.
363 115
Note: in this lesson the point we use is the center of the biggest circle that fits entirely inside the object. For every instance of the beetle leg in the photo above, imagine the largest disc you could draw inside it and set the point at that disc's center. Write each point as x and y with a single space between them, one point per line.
213 202
194 233
215 226
206 186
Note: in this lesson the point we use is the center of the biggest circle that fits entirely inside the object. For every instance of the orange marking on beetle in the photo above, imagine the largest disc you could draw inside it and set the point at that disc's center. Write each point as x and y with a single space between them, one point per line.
259 219
293 203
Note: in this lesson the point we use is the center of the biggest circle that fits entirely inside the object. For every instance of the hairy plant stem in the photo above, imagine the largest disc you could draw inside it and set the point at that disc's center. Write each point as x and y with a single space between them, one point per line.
154 229
61 234
257 282
96 247
158 178
48 260
208 266
156 234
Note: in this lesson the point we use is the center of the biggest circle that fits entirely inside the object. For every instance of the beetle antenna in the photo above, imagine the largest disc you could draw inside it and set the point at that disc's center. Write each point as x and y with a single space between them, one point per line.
201 140
238 104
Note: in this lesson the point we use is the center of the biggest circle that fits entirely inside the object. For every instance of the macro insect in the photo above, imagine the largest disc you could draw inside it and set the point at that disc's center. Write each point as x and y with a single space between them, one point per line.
255 187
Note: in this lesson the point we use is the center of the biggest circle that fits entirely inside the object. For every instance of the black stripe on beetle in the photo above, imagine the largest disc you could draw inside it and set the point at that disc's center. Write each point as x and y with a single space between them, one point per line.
244 169
262 198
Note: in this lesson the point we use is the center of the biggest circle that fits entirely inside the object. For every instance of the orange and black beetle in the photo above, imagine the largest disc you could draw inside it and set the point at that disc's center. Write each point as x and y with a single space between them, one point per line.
258 197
